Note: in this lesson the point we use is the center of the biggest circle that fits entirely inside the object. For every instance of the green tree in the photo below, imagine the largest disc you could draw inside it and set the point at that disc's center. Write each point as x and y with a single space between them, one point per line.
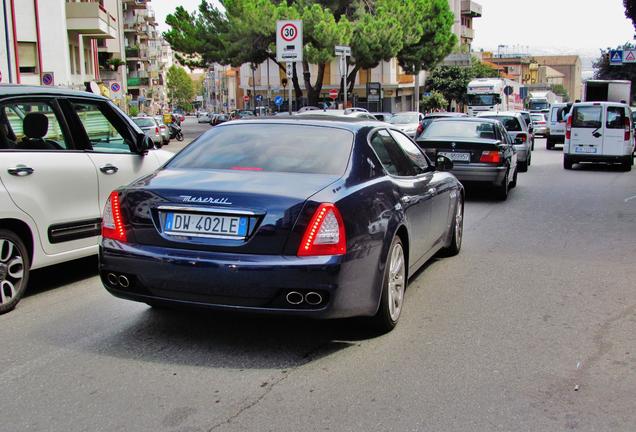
435 101
180 88
435 41
630 10
560 90
603 69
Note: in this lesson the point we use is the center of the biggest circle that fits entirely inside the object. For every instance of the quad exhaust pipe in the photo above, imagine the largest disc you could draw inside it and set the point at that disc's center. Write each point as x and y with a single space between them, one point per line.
311 298
116 280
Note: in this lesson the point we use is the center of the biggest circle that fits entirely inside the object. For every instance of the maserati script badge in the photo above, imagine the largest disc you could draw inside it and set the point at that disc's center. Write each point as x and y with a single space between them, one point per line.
205 200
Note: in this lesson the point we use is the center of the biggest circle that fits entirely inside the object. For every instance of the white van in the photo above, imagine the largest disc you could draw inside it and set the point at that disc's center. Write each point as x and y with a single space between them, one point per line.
599 132
556 131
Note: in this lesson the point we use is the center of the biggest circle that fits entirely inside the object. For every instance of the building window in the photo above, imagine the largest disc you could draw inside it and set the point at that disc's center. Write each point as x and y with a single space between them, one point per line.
27 52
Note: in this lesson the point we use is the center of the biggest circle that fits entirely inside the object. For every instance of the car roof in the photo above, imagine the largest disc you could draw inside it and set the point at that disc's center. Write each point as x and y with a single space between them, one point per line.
619 104
20 90
467 119
353 124
445 114
500 113
407 112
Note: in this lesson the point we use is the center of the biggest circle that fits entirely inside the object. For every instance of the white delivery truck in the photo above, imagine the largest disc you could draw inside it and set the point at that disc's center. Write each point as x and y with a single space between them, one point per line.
607 91
489 94
542 100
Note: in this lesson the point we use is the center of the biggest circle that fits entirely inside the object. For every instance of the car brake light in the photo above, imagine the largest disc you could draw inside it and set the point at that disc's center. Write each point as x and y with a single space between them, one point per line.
112 221
157 130
628 129
325 234
420 128
521 138
490 156
568 128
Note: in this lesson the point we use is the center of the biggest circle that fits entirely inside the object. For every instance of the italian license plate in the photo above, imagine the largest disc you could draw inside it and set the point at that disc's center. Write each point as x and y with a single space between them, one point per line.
460 157
585 150
205 225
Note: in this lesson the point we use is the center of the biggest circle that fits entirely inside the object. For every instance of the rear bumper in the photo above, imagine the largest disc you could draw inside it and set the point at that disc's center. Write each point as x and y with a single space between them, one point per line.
480 174
239 282
541 131
556 139
576 158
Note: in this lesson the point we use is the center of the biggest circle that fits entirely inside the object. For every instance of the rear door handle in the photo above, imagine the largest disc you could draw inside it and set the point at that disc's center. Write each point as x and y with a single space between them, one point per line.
21 171
108 169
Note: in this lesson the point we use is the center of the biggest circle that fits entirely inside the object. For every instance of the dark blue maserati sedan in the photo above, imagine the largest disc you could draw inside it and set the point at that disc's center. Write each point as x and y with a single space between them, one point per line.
310 216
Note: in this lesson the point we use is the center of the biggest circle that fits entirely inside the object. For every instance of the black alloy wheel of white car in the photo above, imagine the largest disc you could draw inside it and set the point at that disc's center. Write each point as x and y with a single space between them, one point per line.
14 270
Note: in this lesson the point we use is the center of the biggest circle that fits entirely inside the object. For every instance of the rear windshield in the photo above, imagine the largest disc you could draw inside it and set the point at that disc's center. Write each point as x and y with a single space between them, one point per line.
404 119
269 147
459 129
510 123
537 117
587 117
144 122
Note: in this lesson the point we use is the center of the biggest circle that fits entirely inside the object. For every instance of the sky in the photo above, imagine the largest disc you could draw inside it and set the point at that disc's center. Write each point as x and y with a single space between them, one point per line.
580 27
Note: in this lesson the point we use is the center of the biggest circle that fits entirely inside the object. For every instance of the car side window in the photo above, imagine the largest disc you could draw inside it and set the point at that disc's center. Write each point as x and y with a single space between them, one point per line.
503 135
411 149
31 125
391 155
615 118
104 133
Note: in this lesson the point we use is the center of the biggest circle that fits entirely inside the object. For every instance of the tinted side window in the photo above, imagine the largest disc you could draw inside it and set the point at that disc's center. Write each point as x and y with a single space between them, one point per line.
412 151
103 135
615 118
391 155
587 117
31 125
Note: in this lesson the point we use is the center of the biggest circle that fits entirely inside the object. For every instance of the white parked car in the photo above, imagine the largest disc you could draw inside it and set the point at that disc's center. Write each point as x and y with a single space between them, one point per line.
599 132
61 154
556 129
204 117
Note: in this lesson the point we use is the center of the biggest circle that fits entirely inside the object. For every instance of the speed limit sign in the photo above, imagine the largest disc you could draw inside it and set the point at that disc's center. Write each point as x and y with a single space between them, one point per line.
289 41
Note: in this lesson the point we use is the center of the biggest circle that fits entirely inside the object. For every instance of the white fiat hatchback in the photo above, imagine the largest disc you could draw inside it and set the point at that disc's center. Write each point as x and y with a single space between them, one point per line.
61 154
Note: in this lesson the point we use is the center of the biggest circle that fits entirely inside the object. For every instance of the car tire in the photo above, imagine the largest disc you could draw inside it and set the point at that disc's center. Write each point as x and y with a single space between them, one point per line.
532 148
502 190
457 232
549 145
14 270
567 163
627 165
513 183
523 166
393 287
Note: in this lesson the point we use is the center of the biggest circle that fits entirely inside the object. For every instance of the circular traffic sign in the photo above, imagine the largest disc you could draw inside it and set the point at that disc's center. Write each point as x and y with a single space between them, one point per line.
278 100
115 87
246 98
47 79
289 32
333 94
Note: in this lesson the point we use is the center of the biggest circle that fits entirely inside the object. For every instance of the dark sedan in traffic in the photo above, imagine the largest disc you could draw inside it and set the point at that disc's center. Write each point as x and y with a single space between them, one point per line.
309 216
480 148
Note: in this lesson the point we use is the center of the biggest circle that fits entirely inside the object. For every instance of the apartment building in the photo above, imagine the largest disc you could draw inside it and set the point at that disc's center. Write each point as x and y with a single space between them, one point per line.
56 42
465 11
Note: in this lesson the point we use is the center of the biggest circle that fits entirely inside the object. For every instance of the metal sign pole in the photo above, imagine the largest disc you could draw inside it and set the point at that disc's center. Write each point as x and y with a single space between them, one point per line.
290 74
345 68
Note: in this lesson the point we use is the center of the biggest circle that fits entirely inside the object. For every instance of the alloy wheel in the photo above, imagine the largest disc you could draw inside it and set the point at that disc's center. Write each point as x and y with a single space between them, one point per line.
459 223
11 271
397 280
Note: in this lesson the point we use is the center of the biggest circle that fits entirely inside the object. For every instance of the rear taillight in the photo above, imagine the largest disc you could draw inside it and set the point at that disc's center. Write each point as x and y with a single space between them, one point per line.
490 157
568 128
420 129
157 130
628 130
521 138
325 234
112 221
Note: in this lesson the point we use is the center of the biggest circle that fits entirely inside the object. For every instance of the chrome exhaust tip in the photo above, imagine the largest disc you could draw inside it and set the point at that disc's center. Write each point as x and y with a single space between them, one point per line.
112 278
123 281
313 298
294 298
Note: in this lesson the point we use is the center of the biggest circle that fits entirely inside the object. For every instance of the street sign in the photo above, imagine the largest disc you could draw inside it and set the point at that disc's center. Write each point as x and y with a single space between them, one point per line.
246 98
508 90
629 56
278 100
343 50
289 41
290 70
616 57
333 94
374 90
115 87
259 98
48 79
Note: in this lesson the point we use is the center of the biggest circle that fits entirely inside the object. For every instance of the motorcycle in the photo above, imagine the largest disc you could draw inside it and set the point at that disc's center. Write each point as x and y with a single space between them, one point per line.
176 132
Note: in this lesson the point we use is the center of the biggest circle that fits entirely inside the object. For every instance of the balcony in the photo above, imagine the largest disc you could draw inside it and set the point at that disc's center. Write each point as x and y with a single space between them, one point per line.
138 74
468 33
137 82
90 19
471 8
136 4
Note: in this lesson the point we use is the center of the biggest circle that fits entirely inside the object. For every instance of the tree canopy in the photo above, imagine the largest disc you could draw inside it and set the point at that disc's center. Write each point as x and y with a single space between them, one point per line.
630 10
243 31
603 69
180 88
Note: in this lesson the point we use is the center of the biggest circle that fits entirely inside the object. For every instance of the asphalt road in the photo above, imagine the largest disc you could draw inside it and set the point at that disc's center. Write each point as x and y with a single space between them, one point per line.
540 302
191 130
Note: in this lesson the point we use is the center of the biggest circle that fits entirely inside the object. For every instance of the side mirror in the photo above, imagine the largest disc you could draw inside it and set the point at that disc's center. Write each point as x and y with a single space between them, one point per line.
531 129
443 163
144 143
